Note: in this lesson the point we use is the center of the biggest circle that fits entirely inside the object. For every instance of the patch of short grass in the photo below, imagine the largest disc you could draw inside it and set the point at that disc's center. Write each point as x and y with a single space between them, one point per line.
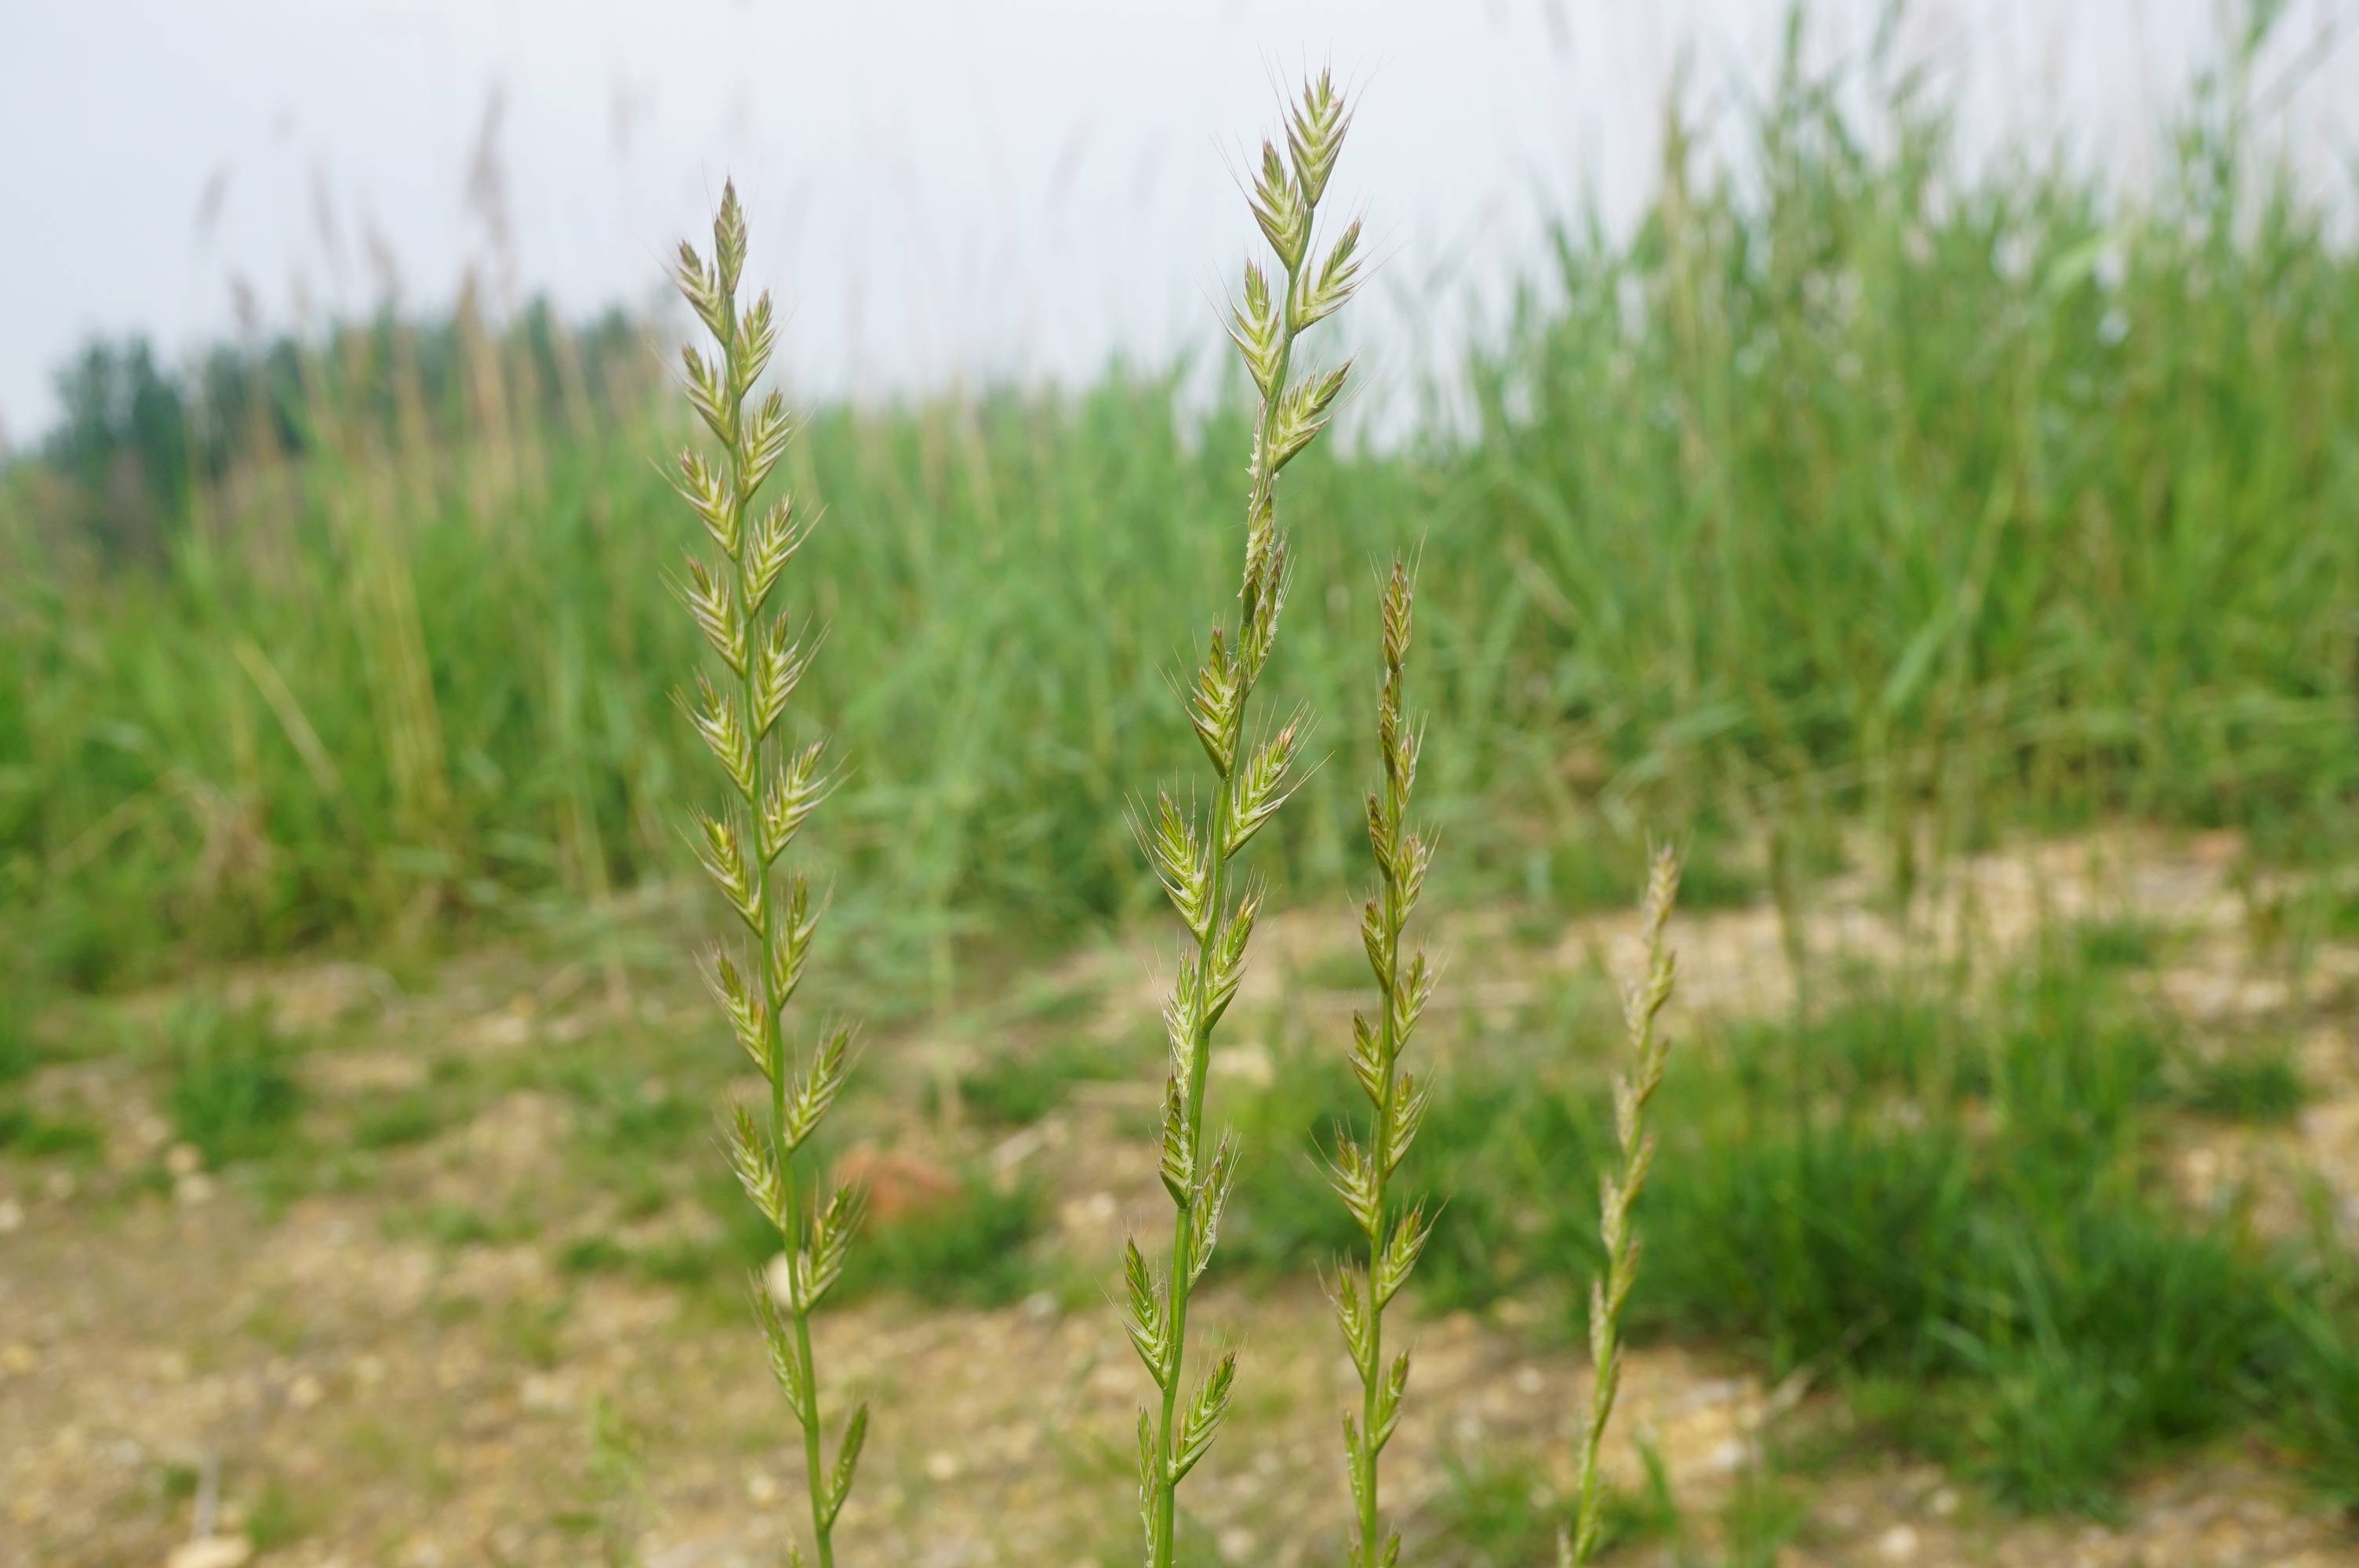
396 1123
37 1136
2314 1398
18 1057
232 1092
1499 1509
453 1226
280 1516
2253 1082
976 1247
591 1254
975 1250
644 1119
2118 941
1017 1086
1902 1191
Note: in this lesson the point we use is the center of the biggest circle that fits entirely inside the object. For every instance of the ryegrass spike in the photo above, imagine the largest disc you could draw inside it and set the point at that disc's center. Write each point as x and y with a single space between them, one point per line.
1619 1190
1360 1174
776 792
1192 855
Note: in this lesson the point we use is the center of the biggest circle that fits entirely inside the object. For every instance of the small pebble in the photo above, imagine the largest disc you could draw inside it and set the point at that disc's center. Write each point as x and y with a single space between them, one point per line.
211 1551
1898 1544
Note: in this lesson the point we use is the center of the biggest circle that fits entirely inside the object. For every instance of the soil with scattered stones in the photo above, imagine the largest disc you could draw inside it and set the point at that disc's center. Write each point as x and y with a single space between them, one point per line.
207 1367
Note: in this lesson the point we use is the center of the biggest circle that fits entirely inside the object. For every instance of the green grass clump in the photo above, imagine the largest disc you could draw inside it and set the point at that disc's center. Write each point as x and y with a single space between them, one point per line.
2118 942
394 1124
974 1244
2313 1393
2250 1081
37 1136
974 1249
232 1091
17 1055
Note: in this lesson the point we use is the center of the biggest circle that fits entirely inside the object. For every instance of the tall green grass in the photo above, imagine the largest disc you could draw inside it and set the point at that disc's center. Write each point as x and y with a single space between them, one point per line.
1859 478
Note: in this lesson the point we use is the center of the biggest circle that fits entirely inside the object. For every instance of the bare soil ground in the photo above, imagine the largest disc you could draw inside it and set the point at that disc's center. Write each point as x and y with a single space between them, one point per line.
332 1371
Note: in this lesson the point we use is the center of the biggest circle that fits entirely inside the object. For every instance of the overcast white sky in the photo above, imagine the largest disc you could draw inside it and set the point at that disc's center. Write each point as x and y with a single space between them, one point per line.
939 187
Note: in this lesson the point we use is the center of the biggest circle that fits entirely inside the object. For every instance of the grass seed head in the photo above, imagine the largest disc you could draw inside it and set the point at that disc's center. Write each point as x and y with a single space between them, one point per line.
775 792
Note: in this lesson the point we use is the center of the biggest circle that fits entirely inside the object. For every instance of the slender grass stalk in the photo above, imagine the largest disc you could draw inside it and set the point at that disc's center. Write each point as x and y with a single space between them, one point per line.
776 788
1192 857
1361 1174
1642 1075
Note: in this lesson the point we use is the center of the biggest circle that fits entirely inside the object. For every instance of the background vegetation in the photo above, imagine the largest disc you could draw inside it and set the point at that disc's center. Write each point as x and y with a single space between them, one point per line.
1857 481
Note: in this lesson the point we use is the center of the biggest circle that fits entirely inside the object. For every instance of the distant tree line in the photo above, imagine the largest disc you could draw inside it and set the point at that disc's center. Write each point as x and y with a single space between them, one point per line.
137 440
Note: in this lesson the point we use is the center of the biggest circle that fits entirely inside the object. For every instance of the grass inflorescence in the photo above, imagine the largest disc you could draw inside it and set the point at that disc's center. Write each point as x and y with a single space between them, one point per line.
775 786
1361 1172
1618 1191
1191 853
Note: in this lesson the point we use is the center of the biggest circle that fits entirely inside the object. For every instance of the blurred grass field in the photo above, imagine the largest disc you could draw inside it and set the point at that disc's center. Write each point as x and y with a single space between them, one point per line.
1861 485
1863 515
